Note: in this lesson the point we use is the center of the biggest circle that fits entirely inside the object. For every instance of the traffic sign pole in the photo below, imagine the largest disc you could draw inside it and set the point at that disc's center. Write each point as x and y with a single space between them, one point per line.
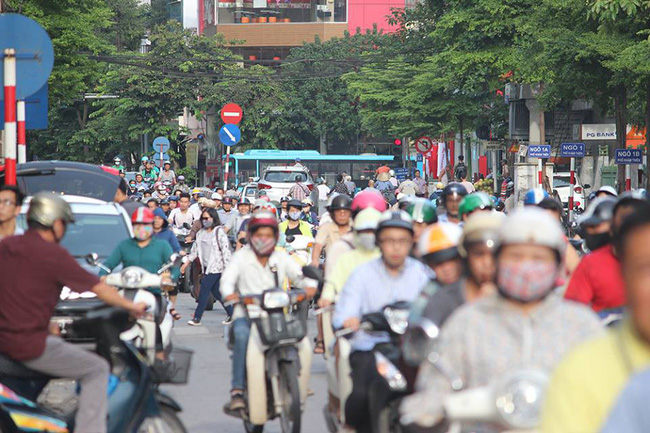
22 137
10 115
540 179
226 169
628 177
495 164
572 182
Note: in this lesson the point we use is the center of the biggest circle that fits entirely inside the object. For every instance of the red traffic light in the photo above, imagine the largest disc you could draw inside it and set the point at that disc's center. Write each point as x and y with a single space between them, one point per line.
397 142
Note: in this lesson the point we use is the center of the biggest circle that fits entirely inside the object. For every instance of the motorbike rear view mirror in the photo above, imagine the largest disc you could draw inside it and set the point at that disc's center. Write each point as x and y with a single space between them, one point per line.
290 238
586 186
313 272
187 226
243 241
92 259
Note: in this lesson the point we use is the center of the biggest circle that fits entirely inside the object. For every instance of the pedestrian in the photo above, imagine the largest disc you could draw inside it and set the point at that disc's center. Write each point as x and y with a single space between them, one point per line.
461 174
422 190
371 186
460 165
340 187
299 191
212 247
323 192
11 199
351 186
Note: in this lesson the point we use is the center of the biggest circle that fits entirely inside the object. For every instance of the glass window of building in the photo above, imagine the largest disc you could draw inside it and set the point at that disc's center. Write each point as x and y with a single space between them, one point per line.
281 11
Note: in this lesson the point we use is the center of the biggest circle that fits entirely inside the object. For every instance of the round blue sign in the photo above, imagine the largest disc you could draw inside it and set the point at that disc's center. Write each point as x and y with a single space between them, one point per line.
161 144
34 53
229 134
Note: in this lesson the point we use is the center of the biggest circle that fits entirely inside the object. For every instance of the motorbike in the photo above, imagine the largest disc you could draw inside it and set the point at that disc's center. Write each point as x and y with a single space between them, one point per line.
278 359
299 248
185 280
385 395
511 402
135 404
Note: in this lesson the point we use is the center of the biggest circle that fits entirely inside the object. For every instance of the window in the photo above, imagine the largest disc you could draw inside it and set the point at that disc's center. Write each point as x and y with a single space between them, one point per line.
281 11
283 176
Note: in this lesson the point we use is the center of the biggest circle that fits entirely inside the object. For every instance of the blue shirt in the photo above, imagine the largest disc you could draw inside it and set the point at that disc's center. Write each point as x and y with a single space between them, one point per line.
370 288
630 414
169 236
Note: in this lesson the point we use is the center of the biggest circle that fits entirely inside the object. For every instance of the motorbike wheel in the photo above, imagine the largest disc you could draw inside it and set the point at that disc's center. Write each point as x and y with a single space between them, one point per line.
290 395
187 281
253 428
170 423
387 421
210 305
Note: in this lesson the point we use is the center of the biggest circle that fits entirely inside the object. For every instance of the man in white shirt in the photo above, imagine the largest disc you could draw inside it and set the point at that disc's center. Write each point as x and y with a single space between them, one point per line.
181 215
323 192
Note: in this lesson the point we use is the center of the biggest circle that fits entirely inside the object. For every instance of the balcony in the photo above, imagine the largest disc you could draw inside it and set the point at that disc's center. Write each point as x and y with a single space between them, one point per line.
280 34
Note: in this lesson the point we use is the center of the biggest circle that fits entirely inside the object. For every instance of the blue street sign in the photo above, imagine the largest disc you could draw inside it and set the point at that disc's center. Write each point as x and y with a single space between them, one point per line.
229 134
34 53
165 156
35 110
539 151
629 156
160 144
572 150
401 173
419 158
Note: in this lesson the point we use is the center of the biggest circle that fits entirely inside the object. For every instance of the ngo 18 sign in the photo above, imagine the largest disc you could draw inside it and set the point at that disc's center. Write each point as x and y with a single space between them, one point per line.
629 156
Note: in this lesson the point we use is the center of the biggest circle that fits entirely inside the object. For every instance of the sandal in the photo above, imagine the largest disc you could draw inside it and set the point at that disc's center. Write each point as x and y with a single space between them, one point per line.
319 348
175 314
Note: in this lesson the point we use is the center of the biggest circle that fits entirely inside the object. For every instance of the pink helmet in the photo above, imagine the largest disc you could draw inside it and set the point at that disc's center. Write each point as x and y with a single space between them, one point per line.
367 199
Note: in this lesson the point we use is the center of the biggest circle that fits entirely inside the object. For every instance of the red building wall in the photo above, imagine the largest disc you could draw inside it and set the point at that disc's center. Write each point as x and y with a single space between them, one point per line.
365 13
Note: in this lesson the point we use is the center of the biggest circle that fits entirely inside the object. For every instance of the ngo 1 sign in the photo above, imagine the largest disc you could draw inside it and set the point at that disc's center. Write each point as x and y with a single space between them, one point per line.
572 150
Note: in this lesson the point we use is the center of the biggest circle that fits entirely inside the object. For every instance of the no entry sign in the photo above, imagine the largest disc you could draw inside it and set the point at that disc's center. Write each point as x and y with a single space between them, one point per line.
423 144
231 114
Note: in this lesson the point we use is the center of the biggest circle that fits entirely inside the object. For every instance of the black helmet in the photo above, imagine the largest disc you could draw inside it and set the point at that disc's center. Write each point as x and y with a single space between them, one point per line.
295 203
451 189
395 219
341 201
599 211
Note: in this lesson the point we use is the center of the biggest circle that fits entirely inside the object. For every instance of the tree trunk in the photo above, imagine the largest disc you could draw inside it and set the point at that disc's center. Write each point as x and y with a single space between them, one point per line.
647 129
82 117
620 111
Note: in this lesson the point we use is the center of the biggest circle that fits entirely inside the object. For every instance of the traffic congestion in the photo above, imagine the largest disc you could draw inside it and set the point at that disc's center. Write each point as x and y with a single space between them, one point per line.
434 308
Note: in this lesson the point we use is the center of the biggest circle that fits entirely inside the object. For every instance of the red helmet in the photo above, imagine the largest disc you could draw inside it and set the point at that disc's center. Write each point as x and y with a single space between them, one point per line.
263 218
142 215
366 199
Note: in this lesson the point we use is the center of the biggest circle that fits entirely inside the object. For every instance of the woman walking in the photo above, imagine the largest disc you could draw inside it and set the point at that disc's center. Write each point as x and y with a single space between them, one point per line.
213 250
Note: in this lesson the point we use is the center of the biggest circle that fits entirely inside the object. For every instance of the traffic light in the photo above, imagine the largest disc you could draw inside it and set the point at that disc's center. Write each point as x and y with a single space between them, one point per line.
397 142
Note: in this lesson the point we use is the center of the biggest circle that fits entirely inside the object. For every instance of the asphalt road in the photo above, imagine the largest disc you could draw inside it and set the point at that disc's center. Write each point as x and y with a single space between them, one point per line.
207 390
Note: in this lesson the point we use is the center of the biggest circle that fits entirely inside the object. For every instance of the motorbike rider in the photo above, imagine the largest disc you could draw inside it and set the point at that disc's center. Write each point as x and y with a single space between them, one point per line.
489 337
161 192
40 267
509 204
11 200
167 174
293 225
226 213
122 198
181 215
180 184
139 182
597 281
308 215
586 386
117 164
477 201
212 247
364 226
438 248
161 230
534 196
243 213
256 267
150 172
340 211
423 213
152 204
450 199
283 208
165 206
440 298
143 163
132 187
606 191
393 277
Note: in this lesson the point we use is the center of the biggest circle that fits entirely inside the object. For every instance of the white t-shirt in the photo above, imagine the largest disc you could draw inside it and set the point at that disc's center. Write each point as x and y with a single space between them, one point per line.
178 218
196 211
323 190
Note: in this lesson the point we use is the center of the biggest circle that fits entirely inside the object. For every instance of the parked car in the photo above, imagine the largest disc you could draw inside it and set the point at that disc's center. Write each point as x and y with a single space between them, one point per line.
561 184
248 190
276 181
98 228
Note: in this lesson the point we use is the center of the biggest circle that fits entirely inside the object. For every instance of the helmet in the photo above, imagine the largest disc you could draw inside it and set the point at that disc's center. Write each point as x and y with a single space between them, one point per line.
161 188
308 202
260 202
196 191
181 177
403 200
145 159
482 227
532 225
340 202
535 196
422 211
367 219
510 186
244 200
270 208
439 242
609 190
369 199
632 196
142 215
45 208
395 219
285 198
295 203
173 198
167 162
216 196
299 178
452 189
473 202
164 201
117 159
600 210
440 185
263 218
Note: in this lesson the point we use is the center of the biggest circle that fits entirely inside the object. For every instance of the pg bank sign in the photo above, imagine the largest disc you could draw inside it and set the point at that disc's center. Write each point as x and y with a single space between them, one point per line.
606 131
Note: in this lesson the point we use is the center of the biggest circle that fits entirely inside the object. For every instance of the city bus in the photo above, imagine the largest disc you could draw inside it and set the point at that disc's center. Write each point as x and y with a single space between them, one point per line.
251 163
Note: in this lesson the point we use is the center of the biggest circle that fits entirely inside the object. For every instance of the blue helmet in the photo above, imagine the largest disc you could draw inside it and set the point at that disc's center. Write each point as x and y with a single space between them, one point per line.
534 196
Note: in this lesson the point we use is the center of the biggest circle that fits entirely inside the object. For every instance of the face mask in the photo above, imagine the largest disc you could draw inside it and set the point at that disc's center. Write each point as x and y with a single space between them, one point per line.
294 216
207 224
262 247
142 233
596 241
526 281
365 241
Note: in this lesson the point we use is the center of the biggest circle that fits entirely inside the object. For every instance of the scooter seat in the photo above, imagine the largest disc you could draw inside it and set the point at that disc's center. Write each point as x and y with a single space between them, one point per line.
11 368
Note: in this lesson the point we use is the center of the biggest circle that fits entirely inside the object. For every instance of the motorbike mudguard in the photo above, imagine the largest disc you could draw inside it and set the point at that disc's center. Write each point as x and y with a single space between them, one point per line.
328 333
344 379
164 399
256 378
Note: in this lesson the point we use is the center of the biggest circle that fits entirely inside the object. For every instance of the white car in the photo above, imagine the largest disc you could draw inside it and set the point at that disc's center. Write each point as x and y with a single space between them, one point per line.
561 184
276 181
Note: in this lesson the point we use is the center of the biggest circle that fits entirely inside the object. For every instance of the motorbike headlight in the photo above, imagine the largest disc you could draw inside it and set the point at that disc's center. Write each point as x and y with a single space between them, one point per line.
397 319
419 340
275 300
520 397
394 377
131 276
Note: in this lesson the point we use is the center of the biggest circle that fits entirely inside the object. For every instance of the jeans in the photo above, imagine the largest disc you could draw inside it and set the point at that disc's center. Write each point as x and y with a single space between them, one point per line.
241 330
209 284
67 360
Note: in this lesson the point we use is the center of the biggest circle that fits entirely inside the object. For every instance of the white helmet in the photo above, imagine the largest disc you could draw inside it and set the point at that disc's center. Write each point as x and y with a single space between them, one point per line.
532 225
367 219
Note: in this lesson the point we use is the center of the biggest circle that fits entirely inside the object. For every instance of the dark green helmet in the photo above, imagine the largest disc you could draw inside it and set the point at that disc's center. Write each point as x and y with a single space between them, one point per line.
422 211
475 201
